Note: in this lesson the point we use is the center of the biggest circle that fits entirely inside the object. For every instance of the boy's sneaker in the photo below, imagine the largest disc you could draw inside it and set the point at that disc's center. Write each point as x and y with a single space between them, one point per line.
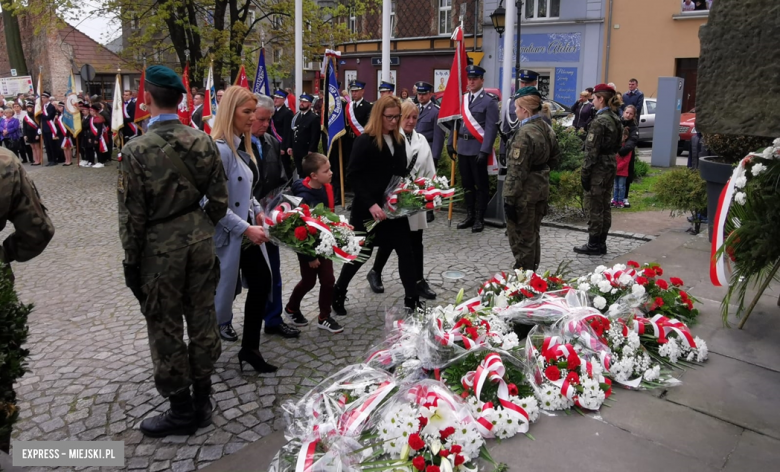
330 324
613 203
296 317
626 204
619 205
98 166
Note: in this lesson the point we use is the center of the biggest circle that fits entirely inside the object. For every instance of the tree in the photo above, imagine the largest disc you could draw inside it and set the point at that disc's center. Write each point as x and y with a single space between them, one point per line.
13 38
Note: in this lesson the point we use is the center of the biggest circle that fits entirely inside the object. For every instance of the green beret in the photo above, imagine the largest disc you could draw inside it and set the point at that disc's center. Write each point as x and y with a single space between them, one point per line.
164 77
527 91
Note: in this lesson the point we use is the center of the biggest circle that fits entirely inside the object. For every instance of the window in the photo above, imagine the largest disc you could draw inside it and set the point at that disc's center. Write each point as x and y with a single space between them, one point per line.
392 19
649 108
352 21
696 5
135 23
277 56
445 16
276 21
542 9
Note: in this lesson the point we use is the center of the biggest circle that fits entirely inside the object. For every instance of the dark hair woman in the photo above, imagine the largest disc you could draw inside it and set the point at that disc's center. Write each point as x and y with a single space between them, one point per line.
378 155
604 140
583 112
629 122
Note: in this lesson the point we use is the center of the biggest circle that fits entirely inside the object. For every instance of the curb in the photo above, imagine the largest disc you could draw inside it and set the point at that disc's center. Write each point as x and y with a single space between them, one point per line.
583 229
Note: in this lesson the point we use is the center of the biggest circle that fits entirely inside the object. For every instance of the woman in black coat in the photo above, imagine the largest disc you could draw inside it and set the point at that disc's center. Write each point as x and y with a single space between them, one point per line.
583 112
378 155
629 121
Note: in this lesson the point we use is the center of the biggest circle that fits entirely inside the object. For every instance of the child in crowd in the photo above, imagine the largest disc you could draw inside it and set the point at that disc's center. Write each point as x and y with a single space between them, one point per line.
315 189
619 194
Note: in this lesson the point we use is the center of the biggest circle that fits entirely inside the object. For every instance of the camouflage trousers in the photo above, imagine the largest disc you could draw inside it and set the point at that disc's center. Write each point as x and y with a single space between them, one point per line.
598 199
524 232
178 286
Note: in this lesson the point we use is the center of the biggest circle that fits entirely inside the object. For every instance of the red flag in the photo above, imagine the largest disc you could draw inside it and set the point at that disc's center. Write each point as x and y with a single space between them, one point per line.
141 112
185 107
452 101
241 78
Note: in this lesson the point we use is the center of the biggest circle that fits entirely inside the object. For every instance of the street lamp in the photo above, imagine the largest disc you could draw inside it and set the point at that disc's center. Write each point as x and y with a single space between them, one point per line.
498 18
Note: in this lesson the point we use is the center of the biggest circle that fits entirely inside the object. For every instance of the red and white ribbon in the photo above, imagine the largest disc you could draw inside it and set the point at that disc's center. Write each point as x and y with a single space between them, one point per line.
30 121
497 282
478 132
718 272
352 420
357 128
52 128
661 326
306 456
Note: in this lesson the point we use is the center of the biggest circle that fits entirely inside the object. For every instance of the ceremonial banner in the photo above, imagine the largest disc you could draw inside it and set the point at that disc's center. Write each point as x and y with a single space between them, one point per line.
38 102
71 116
210 103
185 106
141 112
333 105
117 115
451 102
261 76
241 79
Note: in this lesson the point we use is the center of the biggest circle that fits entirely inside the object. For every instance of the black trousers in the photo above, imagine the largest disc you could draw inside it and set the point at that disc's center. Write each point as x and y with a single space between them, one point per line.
52 147
23 150
476 185
259 280
346 150
393 235
416 243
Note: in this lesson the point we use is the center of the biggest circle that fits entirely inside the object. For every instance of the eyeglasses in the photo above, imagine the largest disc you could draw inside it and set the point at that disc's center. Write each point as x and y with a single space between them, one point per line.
392 117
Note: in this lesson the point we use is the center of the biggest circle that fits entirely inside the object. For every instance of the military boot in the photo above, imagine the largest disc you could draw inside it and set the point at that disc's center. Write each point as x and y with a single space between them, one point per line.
479 222
591 249
468 222
178 421
201 391
339 298
603 244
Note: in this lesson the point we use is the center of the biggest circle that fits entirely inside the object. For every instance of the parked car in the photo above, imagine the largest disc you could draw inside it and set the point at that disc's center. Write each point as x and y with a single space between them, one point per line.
687 131
647 120
558 110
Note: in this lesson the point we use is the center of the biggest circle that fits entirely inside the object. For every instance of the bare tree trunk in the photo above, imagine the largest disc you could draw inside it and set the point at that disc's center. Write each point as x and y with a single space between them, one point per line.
13 39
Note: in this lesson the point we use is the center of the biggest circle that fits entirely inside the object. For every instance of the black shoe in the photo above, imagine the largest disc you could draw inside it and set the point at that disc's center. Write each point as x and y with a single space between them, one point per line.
424 290
178 421
412 303
201 399
479 222
227 333
339 297
429 217
283 330
375 281
329 324
468 222
590 249
296 317
603 244
51 164
255 359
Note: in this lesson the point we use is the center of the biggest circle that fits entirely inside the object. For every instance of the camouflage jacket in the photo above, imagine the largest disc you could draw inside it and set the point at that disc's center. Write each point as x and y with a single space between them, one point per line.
159 207
605 136
21 205
532 151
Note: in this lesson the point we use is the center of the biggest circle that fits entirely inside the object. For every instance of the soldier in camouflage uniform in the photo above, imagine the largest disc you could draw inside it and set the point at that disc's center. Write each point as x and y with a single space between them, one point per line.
21 205
604 140
170 263
532 151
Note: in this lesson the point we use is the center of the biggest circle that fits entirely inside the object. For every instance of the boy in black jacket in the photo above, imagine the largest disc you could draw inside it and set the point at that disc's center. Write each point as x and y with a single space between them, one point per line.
315 189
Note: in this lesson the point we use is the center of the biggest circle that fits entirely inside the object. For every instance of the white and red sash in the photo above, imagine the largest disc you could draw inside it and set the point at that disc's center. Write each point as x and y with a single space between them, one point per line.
103 147
66 141
30 121
357 128
124 110
134 128
478 132
52 128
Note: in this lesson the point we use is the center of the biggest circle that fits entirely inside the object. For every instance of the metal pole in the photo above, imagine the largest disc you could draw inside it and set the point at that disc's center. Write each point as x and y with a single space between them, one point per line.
386 7
609 43
519 6
509 41
298 47
476 19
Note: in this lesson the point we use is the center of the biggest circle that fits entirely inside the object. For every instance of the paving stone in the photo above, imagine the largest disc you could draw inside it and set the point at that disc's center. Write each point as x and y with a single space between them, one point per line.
137 463
754 452
183 466
159 466
210 453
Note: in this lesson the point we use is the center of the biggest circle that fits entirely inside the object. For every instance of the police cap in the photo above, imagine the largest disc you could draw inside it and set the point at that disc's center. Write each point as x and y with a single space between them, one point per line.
424 87
305 97
46 94
280 93
474 72
164 77
527 75
357 85
386 87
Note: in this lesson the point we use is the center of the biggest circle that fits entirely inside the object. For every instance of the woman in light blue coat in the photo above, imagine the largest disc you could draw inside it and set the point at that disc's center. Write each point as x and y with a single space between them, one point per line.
239 236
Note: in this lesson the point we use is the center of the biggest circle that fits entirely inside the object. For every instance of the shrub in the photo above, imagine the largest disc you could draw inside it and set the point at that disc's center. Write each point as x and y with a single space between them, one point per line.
682 191
570 145
732 148
13 335
641 168
568 193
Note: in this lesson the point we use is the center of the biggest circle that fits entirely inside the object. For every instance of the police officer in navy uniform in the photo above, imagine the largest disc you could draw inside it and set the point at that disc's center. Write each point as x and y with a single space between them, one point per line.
282 120
472 155
386 88
304 132
51 140
427 124
362 110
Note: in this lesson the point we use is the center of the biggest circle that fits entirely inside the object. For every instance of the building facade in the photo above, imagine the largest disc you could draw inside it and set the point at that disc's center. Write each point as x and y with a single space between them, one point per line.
658 40
563 40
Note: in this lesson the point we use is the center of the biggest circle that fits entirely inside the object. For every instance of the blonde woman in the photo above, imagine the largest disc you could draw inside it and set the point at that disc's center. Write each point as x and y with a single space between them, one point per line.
232 125
377 155
419 161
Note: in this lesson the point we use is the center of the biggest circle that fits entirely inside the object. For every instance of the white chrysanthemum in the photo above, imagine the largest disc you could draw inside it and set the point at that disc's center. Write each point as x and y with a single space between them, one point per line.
614 310
600 269
510 341
599 303
529 404
584 287
638 290
776 142
740 198
625 279
325 247
740 181
596 278
467 436
702 350
670 350
605 286
767 154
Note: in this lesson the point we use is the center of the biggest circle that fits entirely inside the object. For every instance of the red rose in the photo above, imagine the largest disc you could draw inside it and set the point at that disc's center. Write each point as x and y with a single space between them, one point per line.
462 322
684 295
419 463
662 284
433 468
301 233
689 303
455 449
641 280
429 206
416 442
362 242
659 302
658 270
446 432
306 210
512 389
552 373
649 273
444 452
527 293
633 264
676 281
573 362
312 230
573 378
459 460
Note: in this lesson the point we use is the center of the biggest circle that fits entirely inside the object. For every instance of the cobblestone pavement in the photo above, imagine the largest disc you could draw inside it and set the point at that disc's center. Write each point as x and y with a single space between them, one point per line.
90 370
